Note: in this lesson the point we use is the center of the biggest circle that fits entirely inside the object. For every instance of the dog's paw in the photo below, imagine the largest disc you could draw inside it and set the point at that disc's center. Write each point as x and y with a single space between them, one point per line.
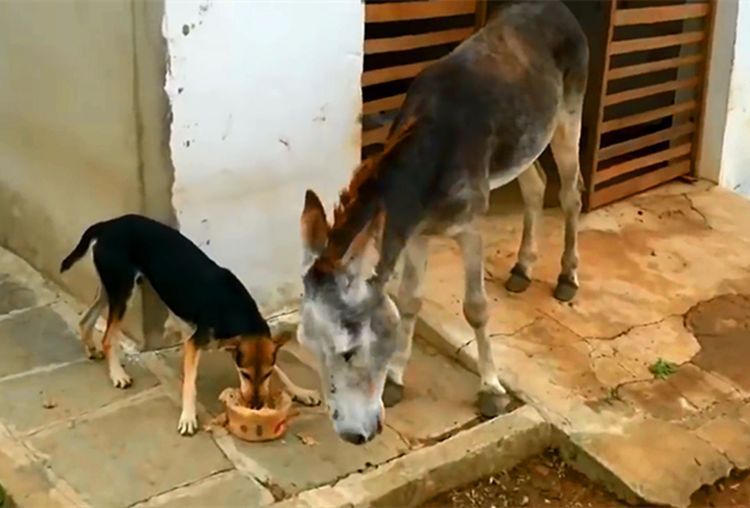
94 354
121 379
188 424
307 397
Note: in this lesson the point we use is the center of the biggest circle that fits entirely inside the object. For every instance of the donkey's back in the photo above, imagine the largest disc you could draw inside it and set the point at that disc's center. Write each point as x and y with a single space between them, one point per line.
507 84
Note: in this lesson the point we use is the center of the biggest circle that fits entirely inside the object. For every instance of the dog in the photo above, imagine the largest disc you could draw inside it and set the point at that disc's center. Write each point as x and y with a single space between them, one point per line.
207 303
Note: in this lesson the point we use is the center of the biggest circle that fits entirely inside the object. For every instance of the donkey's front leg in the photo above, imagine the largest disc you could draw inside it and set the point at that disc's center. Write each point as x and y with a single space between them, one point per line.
492 398
409 302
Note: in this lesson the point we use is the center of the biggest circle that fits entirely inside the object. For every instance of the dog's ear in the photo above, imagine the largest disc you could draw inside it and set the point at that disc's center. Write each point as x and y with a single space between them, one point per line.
282 337
282 332
231 345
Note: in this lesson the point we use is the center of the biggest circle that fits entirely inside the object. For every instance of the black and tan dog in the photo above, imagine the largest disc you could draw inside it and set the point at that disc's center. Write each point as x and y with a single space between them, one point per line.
203 298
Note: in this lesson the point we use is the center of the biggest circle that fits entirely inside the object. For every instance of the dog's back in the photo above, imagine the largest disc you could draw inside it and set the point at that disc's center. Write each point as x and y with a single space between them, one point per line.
192 285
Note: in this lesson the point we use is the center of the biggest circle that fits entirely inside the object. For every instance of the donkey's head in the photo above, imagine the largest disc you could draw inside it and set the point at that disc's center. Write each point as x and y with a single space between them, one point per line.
347 320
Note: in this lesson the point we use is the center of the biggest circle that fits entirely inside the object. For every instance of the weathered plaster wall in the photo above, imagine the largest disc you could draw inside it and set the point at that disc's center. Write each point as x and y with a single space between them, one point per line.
735 160
83 119
265 98
717 98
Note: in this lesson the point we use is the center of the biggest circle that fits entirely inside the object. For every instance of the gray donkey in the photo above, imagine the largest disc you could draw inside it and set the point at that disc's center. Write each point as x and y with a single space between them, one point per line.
475 120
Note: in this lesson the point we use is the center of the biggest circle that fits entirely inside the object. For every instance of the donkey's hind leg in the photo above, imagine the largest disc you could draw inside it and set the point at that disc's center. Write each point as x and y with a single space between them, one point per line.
564 146
532 183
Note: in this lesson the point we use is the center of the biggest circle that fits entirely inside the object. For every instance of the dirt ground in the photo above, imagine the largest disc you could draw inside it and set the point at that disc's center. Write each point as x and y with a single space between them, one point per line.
546 481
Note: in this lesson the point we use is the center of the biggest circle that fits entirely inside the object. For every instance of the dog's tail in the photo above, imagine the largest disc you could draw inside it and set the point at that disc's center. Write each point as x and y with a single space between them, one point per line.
83 245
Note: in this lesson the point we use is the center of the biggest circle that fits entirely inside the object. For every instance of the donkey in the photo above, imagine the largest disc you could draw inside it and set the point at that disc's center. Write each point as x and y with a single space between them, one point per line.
475 120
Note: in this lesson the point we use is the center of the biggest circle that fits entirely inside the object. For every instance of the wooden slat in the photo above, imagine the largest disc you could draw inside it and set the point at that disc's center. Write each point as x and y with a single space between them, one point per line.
374 136
659 65
711 38
659 14
663 41
384 104
374 46
400 11
394 73
632 145
654 114
639 93
642 162
593 137
629 187
480 19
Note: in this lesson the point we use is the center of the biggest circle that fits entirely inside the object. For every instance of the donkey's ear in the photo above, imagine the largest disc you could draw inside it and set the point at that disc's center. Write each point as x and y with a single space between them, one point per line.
314 227
363 253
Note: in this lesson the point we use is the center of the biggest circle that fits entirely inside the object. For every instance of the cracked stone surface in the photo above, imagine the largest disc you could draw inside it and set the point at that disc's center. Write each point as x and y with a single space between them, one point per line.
664 276
40 399
14 296
134 451
225 489
439 398
77 441
36 338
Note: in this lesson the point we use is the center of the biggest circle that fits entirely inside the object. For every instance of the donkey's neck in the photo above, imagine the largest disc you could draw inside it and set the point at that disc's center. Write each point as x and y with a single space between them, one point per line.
403 189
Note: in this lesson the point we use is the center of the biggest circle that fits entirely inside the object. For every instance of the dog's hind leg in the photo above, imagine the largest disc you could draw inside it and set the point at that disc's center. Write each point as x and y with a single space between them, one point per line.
87 323
118 278
302 395
120 378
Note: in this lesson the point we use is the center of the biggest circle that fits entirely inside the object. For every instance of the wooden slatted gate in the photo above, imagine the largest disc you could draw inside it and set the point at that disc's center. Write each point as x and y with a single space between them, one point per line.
650 102
645 101
401 39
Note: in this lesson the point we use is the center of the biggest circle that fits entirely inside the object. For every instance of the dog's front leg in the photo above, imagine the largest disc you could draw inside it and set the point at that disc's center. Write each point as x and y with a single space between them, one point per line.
302 395
188 423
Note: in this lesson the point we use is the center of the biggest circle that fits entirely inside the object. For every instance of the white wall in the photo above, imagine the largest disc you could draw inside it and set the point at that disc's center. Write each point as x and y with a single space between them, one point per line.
735 160
265 97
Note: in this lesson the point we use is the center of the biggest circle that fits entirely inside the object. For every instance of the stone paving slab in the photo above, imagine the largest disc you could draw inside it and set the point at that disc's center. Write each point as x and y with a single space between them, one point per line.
586 365
295 466
129 454
229 490
486 449
40 399
439 398
28 484
14 295
36 338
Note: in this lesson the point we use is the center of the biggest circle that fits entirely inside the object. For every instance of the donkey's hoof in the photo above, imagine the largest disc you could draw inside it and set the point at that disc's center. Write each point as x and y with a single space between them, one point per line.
393 393
566 289
491 404
518 282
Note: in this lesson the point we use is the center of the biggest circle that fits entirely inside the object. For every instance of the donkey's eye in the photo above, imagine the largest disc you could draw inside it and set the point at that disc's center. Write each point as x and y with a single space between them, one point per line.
347 355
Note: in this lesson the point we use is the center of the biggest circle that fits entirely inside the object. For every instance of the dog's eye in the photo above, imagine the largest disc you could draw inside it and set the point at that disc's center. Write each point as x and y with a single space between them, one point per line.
246 375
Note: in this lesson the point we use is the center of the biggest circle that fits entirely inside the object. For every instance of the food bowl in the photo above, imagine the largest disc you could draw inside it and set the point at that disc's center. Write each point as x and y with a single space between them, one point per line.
265 424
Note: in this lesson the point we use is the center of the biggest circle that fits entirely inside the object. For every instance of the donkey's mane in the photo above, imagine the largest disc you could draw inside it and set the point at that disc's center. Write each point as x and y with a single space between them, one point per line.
361 199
